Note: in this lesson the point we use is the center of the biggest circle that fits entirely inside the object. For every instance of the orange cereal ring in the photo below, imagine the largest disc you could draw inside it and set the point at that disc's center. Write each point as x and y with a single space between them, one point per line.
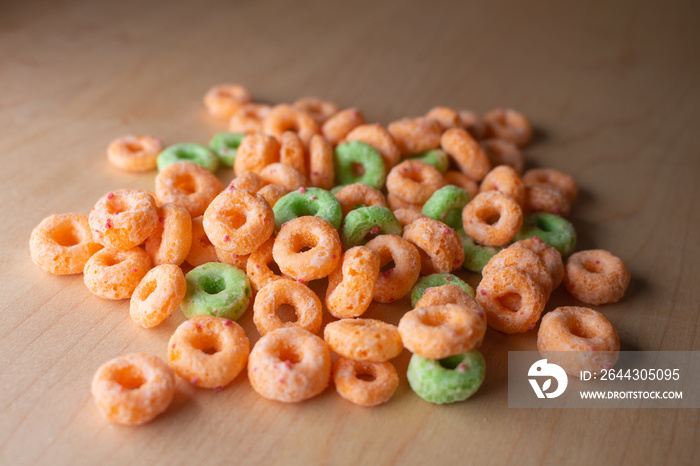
470 158
439 246
208 352
273 193
492 218
170 242
396 282
321 165
238 221
61 244
415 135
305 302
230 258
596 277
363 339
292 152
472 123
256 152
339 125
461 180
447 117
541 199
123 219
249 118
365 383
319 109
549 255
356 195
115 274
406 216
505 179
289 365
351 285
250 181
552 179
414 181
379 138
201 250
525 260
158 295
436 332
284 117
135 153
133 389
188 185
445 294
502 152
587 334
512 299
315 233
508 124
284 175
258 266
225 100
396 203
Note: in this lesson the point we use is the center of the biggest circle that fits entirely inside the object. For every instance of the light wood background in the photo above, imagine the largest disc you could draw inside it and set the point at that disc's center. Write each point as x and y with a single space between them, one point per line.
612 87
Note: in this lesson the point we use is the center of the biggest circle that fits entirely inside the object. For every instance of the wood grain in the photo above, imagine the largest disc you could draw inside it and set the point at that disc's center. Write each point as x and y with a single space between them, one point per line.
611 87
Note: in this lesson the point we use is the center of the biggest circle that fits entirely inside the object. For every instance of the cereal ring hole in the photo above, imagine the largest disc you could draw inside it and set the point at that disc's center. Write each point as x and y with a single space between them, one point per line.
287 313
358 169
185 182
67 236
580 329
133 146
145 290
366 373
288 354
388 267
129 377
111 260
593 266
451 362
235 216
433 319
206 343
212 285
510 301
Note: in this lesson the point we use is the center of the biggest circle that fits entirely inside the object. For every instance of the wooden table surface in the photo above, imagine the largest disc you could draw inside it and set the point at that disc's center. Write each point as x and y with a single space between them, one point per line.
612 88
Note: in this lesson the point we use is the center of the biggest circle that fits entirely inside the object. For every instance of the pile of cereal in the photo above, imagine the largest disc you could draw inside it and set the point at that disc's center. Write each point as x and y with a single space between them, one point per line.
382 212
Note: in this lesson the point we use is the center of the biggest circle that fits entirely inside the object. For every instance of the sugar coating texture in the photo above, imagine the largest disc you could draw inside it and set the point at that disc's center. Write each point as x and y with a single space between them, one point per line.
348 155
525 260
201 250
349 384
438 245
364 223
512 299
115 274
397 281
363 339
218 290
552 229
351 286
446 205
123 219
505 179
284 117
188 185
284 175
305 302
171 240
208 352
549 255
293 154
466 152
258 266
437 279
273 193
448 380
414 181
289 365
337 127
256 151
133 389
578 339
62 244
353 196
317 262
415 135
440 331
321 167
596 277
492 218
158 295
380 139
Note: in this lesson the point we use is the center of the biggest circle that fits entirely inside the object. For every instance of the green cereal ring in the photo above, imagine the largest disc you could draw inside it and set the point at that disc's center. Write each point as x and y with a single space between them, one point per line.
550 228
189 152
476 256
437 279
216 289
225 146
350 155
446 205
438 158
308 201
364 223
454 378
